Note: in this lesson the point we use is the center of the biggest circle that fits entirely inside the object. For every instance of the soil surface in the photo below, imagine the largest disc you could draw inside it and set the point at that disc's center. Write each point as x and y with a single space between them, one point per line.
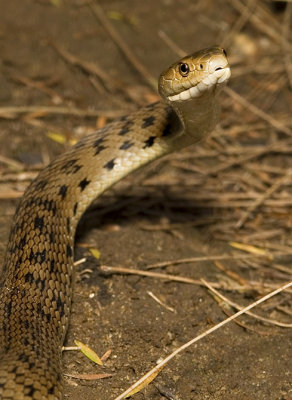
137 224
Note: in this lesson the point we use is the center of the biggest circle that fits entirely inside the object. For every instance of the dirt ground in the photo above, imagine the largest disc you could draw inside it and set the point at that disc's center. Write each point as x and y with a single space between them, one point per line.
172 210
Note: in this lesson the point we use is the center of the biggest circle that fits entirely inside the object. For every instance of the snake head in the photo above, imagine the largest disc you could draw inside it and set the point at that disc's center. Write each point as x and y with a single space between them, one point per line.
195 75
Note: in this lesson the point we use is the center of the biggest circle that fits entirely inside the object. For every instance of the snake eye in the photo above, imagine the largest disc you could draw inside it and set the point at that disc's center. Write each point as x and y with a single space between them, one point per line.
184 69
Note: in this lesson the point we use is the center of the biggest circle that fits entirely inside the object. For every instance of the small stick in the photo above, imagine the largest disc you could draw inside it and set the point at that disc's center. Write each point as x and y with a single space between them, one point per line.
256 153
200 259
260 113
258 23
11 194
171 44
107 268
258 286
12 112
285 42
100 15
256 316
11 163
160 302
240 23
56 98
88 67
272 189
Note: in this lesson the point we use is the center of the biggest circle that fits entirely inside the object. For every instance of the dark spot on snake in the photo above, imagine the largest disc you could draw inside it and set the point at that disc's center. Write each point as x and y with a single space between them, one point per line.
110 164
23 357
39 223
61 307
148 121
40 283
28 278
59 303
83 184
126 145
75 208
50 206
63 191
76 168
53 297
69 251
39 308
68 164
68 225
48 317
124 118
98 142
40 185
31 390
22 243
31 365
39 256
8 308
14 370
98 146
79 144
99 149
52 237
152 105
19 261
167 130
52 266
149 142
126 128
51 390
71 167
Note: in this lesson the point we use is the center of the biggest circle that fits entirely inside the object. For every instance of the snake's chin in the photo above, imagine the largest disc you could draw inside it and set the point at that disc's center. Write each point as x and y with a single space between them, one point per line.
214 80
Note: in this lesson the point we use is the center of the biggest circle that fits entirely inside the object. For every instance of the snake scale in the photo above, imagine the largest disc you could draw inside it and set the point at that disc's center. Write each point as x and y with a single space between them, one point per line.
36 287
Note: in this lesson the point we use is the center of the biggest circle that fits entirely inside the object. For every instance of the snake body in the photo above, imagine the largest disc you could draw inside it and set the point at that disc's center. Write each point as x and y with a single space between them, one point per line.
36 288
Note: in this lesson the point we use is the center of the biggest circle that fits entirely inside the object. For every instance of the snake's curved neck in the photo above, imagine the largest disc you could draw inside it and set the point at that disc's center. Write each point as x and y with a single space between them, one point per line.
195 118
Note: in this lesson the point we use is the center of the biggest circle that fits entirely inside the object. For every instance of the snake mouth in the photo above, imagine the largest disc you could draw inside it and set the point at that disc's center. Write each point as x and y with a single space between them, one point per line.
220 76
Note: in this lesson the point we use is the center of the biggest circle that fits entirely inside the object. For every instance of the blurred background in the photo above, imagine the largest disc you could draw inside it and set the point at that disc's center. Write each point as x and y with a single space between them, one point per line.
220 210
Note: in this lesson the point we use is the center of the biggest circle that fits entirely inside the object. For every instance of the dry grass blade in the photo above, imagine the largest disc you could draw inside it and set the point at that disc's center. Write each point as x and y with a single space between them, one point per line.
88 377
163 264
272 189
98 12
285 42
240 23
258 112
11 163
89 68
154 371
14 112
252 285
259 22
256 316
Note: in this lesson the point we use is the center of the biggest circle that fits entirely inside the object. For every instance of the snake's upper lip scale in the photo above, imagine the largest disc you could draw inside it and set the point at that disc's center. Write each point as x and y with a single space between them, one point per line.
220 75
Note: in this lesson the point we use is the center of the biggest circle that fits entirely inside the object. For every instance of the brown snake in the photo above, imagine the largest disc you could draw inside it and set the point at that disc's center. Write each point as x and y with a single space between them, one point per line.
36 288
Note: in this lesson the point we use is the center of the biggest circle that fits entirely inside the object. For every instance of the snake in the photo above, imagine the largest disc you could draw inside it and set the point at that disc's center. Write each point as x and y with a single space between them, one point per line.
37 281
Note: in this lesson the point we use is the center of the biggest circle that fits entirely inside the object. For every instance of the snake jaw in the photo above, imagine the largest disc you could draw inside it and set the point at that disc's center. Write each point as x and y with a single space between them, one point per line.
195 75
218 77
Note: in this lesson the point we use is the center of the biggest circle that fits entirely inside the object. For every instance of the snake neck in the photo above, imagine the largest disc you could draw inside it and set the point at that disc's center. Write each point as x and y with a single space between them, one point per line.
194 120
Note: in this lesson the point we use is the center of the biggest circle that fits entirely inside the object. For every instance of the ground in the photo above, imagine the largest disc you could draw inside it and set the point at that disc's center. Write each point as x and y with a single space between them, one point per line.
191 204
